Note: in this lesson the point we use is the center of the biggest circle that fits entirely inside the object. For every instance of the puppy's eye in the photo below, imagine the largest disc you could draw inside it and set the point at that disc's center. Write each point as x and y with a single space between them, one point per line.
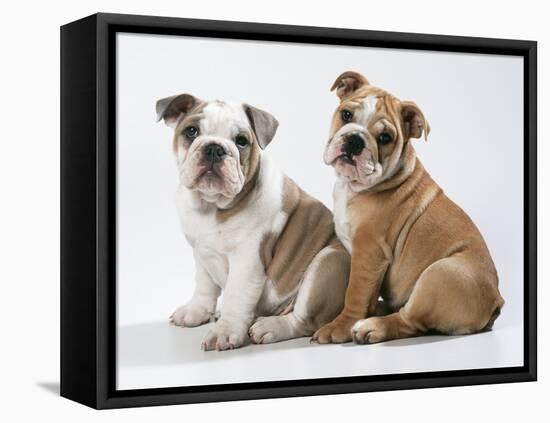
347 115
241 141
191 132
384 138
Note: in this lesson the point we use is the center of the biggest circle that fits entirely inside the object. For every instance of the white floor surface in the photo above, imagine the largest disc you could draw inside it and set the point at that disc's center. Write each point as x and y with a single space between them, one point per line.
158 354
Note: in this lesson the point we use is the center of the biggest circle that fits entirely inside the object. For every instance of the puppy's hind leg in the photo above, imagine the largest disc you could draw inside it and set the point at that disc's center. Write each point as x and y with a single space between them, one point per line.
451 297
319 300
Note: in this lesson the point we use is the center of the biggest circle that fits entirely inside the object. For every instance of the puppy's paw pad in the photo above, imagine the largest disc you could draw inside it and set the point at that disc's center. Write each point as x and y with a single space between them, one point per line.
369 331
190 316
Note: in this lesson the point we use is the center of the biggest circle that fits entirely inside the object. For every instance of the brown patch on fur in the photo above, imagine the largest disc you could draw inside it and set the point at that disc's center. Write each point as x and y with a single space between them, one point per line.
267 244
250 159
291 195
309 228
192 118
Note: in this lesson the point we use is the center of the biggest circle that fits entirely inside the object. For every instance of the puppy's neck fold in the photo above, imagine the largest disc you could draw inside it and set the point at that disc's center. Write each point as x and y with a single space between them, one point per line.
408 163
243 196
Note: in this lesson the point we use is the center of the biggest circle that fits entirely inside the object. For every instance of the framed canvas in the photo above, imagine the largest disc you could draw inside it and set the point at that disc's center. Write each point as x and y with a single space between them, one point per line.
379 236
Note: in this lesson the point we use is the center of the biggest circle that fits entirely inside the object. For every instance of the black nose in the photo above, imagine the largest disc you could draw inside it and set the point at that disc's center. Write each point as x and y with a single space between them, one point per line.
214 153
354 145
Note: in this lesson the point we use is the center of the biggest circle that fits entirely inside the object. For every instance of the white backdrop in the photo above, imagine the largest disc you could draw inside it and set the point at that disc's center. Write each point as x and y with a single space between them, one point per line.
29 178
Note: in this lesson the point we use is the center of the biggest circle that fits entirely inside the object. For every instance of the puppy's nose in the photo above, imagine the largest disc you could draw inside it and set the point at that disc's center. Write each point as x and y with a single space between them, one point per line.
354 145
214 153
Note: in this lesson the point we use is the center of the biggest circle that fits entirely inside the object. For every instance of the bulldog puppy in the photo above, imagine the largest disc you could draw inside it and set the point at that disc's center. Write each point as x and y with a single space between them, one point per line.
410 244
255 234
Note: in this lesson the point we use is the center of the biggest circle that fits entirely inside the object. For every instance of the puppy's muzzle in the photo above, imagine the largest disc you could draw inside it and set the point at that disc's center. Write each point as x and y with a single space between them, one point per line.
213 153
353 145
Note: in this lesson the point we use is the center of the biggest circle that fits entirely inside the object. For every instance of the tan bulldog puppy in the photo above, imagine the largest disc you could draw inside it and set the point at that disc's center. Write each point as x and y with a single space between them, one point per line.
410 244
255 234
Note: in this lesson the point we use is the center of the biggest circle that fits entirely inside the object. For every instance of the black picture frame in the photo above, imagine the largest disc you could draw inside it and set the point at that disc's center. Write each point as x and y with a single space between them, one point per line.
88 210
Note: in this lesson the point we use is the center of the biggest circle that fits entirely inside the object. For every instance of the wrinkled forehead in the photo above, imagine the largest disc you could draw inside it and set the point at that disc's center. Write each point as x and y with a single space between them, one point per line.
364 108
223 119
370 102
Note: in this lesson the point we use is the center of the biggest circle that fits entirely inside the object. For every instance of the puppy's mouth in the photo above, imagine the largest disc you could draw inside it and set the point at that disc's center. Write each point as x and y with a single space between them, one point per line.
210 169
346 158
339 156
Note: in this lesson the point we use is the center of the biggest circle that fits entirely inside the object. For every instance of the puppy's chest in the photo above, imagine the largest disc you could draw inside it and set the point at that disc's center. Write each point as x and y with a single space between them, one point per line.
205 229
341 196
202 230
210 240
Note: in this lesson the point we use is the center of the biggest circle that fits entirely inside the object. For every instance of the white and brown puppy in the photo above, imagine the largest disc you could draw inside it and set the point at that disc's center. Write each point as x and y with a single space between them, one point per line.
410 244
255 234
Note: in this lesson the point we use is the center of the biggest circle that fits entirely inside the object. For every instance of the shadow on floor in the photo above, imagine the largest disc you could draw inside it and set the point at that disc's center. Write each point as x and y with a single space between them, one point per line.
160 343
429 339
51 387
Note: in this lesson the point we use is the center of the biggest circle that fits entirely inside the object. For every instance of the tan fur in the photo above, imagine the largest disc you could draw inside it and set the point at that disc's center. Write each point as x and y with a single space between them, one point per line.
308 230
327 300
318 300
190 119
411 245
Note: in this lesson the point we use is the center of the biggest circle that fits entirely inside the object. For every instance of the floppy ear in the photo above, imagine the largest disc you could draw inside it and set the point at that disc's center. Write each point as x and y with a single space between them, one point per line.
347 83
172 108
263 123
414 122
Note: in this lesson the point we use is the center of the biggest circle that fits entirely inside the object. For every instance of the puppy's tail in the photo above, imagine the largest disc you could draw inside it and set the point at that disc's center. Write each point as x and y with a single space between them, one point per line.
493 317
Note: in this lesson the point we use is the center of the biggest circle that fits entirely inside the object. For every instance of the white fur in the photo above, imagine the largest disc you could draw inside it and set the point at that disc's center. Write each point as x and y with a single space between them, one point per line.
217 114
357 325
341 195
368 108
230 251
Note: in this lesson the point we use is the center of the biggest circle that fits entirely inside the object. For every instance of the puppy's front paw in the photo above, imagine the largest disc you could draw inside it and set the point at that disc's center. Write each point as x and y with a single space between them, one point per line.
224 336
369 331
336 332
190 315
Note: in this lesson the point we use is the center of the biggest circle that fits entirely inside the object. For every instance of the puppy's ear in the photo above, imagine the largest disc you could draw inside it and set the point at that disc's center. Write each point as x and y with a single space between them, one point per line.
414 122
172 108
347 83
263 123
